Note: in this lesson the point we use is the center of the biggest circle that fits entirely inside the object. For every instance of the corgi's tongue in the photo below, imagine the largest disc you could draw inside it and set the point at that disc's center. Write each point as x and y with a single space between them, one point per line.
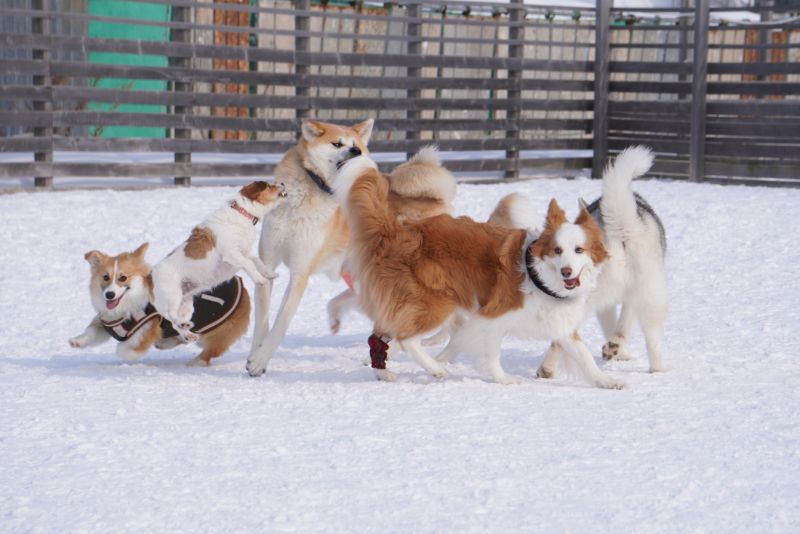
111 304
572 283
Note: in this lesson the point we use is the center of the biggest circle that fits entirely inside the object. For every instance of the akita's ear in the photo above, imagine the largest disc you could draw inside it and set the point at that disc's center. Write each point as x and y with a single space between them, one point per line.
94 257
364 129
312 129
139 252
555 215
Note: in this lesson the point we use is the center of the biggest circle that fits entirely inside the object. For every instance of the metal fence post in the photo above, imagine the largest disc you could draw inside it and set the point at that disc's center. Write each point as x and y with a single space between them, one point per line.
41 26
516 32
181 35
414 50
602 50
697 149
302 23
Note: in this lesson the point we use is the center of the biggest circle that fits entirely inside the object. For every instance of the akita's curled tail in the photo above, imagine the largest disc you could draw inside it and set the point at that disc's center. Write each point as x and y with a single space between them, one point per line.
619 205
363 192
423 176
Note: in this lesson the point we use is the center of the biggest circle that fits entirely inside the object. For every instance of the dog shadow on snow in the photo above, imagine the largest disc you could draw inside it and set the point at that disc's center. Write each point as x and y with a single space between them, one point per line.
322 359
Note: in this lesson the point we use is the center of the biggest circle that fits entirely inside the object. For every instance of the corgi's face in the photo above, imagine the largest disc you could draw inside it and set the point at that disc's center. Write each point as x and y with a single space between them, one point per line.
262 192
329 146
118 283
568 255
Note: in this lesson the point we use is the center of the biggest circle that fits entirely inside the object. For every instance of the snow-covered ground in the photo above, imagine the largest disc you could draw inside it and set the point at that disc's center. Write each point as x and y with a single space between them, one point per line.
91 443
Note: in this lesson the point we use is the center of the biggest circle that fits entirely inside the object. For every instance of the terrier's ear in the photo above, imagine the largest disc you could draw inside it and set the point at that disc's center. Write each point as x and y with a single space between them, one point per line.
252 190
364 129
140 252
555 215
94 257
312 129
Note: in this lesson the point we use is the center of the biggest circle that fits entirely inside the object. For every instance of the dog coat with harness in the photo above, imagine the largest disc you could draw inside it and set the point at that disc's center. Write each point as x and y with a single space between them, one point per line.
211 309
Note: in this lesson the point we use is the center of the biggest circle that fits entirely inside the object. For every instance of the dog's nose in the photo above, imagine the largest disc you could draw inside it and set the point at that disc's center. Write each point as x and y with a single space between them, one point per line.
566 272
110 295
355 151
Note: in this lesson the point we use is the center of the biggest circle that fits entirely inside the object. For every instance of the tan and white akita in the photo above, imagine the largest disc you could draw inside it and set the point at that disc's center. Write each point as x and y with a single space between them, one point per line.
308 232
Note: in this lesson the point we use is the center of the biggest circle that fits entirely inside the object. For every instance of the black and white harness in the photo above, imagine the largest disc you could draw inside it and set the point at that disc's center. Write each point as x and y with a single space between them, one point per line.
211 309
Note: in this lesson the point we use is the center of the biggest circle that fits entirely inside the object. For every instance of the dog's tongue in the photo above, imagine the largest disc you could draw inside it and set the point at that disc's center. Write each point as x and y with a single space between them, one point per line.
111 304
572 283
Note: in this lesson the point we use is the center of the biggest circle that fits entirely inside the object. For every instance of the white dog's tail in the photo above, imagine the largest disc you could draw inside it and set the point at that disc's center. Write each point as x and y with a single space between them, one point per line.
516 211
619 205
423 176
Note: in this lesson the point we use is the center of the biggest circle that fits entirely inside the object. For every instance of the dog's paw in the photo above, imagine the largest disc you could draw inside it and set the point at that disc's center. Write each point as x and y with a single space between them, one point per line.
608 382
614 351
78 342
507 379
438 371
255 368
385 375
198 362
169 343
543 372
259 279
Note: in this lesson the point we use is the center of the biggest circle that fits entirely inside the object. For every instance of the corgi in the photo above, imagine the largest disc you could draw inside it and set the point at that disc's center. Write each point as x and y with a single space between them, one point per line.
121 293
415 276
214 252
308 232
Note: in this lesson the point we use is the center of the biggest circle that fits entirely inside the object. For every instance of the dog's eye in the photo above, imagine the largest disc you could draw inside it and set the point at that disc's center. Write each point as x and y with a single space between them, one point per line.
578 250
106 278
337 144
558 250
122 278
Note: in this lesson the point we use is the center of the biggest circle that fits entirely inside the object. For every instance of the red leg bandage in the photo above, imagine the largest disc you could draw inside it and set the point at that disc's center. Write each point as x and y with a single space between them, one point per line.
378 347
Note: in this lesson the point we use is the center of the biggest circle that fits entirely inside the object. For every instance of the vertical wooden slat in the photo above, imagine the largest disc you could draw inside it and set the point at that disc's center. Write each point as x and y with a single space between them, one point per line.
697 142
414 29
301 44
515 52
602 51
41 26
182 14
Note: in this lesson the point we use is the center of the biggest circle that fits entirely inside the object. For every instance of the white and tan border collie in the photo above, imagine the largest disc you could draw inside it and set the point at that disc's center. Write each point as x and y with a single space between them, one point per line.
214 252
121 290
634 277
415 276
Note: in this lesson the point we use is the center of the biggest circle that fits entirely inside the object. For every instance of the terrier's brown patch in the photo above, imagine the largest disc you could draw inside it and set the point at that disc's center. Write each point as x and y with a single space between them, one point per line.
199 243
252 190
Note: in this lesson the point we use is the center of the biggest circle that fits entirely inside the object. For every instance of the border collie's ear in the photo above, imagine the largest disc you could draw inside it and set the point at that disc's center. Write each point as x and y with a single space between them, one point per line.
582 204
555 215
140 252
595 243
311 129
364 129
94 257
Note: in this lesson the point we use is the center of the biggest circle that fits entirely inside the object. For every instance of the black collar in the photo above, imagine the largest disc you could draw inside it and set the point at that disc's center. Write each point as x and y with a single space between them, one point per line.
534 276
319 181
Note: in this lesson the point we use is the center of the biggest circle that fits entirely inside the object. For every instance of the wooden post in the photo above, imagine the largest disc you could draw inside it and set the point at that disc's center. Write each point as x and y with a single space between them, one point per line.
602 50
41 26
516 32
182 14
414 11
683 43
697 152
302 23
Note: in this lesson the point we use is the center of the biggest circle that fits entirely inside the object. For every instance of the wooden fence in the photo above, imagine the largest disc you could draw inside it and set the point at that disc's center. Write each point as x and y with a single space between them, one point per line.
513 89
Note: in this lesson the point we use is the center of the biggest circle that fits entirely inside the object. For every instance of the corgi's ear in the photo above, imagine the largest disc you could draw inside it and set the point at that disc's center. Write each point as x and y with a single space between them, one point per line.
140 252
312 129
94 257
364 129
555 215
